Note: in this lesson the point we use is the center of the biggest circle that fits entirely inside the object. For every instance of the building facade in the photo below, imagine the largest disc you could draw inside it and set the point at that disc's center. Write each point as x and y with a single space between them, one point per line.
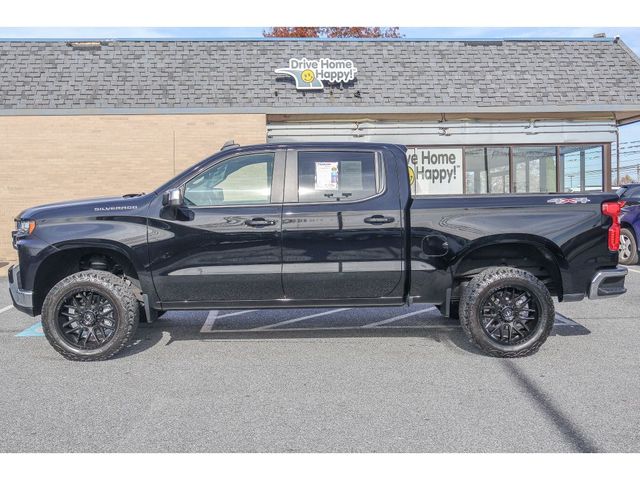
91 118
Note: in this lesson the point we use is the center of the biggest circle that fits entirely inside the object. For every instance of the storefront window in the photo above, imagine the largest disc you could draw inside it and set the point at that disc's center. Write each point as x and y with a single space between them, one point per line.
534 169
581 168
486 169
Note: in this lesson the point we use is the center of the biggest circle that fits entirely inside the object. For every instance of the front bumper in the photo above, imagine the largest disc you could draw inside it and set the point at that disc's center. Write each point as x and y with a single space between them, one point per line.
608 283
22 299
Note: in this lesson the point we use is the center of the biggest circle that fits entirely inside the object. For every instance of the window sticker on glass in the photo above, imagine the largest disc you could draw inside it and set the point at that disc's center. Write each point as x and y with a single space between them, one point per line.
326 176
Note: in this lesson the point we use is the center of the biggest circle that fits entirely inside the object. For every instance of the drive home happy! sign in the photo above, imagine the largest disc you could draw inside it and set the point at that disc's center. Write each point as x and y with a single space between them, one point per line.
310 74
435 170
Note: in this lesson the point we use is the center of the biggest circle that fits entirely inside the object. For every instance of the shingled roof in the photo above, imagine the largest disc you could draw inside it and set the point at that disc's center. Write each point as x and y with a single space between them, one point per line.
238 76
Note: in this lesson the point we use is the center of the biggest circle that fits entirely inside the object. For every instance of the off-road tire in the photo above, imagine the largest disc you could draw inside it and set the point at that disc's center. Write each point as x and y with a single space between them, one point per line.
480 287
633 247
118 292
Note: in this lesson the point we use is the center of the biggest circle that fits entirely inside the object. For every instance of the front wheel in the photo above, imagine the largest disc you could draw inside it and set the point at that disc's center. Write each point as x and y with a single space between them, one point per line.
90 315
628 253
506 312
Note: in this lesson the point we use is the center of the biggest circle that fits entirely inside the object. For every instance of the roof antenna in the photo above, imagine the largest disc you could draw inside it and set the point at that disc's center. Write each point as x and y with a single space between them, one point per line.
229 144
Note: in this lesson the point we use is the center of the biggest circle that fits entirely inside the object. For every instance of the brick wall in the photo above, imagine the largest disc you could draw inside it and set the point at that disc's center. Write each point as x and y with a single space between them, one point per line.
48 158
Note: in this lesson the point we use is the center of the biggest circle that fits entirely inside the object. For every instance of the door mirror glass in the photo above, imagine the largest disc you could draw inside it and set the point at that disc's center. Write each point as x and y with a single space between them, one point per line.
173 198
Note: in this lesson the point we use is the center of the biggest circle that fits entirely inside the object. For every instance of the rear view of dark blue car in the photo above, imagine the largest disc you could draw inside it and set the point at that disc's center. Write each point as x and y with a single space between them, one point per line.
629 223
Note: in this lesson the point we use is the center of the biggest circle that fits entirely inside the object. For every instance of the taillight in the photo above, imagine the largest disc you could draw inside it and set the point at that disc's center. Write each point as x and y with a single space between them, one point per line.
613 209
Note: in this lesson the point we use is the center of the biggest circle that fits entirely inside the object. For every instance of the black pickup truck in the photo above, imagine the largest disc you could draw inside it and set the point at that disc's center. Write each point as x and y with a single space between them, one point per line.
311 225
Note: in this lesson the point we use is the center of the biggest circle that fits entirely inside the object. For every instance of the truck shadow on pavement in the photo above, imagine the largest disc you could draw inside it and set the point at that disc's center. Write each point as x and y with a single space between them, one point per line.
192 327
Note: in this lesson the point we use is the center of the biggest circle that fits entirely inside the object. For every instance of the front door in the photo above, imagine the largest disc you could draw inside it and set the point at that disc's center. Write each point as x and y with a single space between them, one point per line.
224 245
343 231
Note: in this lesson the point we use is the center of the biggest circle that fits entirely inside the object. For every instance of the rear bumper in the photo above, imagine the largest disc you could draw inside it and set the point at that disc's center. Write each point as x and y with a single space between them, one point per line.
608 283
22 299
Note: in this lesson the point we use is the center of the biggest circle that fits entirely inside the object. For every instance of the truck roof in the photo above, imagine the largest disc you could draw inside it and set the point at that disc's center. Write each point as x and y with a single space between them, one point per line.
321 145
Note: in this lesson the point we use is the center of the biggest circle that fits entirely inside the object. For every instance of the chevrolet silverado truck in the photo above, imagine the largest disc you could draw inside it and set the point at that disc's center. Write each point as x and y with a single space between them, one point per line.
311 225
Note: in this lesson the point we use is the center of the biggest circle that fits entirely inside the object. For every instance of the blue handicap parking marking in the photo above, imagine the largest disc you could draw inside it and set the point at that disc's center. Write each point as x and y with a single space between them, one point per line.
32 331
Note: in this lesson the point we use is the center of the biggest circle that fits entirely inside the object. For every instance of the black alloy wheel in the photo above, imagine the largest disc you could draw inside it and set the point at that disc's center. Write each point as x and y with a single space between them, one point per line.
90 315
506 312
510 315
87 319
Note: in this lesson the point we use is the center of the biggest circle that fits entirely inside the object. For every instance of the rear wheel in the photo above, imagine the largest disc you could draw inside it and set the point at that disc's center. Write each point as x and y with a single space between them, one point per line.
506 312
628 252
90 315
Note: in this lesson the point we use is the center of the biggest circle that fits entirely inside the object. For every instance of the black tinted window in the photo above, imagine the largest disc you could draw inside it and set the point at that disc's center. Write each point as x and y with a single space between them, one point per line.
335 176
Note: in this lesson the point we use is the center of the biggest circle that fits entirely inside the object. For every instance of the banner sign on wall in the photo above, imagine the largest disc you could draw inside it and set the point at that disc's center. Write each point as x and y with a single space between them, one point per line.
436 170
309 74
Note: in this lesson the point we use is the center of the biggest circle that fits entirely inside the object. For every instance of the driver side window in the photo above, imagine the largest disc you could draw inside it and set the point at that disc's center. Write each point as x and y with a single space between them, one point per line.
242 180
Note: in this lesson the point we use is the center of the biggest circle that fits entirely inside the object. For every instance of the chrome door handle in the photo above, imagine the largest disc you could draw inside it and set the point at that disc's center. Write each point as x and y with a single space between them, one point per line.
378 219
259 222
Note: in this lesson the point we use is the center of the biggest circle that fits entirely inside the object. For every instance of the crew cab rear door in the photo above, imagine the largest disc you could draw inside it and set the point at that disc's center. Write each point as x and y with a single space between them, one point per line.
342 227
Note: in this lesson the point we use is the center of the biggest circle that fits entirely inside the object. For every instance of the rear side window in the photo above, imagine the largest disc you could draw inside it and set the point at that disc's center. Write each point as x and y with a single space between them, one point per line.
336 176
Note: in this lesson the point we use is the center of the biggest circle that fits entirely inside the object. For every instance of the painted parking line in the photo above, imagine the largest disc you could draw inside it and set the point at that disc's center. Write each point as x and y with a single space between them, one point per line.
5 309
396 318
633 270
233 314
299 319
34 330
207 327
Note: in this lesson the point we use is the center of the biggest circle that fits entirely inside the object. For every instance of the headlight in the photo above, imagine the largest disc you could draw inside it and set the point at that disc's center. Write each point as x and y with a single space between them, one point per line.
25 227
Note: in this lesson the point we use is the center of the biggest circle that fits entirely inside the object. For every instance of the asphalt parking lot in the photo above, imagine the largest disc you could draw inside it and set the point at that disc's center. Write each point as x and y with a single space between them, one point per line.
366 380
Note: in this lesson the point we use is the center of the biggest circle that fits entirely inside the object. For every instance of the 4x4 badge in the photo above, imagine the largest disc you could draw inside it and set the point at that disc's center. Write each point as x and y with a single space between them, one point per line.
565 201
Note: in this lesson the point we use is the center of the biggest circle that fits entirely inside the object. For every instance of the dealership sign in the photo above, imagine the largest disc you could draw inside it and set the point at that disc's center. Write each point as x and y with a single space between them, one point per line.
435 170
310 74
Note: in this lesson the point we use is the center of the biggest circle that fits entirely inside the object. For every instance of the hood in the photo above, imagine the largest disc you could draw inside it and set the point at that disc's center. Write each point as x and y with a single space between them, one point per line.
124 205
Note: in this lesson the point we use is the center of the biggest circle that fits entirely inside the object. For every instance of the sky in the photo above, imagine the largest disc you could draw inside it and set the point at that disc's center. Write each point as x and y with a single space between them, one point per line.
631 36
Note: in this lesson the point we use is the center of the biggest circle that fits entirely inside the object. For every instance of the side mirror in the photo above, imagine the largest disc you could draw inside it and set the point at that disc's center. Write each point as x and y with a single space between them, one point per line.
173 198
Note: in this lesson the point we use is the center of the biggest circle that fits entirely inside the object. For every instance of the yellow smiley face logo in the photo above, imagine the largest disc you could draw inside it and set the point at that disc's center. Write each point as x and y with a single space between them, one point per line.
308 76
412 176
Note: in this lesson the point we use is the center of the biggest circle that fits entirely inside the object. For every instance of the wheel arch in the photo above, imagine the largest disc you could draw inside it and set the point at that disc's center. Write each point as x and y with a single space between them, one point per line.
72 257
532 253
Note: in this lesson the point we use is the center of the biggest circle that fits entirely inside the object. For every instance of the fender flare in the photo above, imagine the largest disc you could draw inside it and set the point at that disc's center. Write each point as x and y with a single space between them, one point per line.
143 273
549 250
